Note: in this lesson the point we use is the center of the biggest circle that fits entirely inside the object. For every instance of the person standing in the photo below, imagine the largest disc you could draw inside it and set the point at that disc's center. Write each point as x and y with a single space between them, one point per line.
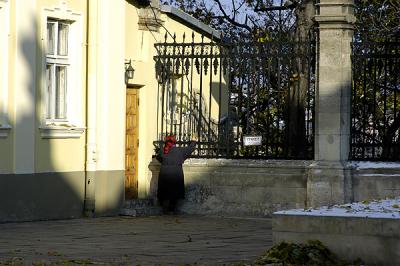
171 185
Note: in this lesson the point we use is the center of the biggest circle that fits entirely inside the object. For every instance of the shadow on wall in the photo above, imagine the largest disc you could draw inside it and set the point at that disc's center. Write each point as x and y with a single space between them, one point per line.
36 196
240 187
45 194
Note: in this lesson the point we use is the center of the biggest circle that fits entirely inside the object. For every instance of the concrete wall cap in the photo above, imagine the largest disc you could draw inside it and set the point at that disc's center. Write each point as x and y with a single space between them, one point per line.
249 163
330 165
174 12
336 3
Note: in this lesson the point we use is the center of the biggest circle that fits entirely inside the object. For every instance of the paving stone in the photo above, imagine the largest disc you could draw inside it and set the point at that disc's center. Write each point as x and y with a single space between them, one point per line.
157 240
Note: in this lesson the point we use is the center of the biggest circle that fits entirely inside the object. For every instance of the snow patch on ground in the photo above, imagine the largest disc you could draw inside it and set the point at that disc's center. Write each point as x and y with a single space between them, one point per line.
369 165
388 208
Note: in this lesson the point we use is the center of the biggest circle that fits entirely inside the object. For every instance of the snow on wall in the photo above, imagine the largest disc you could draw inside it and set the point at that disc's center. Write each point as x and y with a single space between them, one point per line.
388 208
374 165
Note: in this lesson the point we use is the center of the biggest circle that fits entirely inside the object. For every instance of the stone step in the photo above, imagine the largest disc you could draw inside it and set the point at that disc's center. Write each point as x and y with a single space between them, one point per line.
140 212
139 203
140 207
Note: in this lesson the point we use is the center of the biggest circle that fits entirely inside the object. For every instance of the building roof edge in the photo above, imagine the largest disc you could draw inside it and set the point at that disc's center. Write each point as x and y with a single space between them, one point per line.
174 12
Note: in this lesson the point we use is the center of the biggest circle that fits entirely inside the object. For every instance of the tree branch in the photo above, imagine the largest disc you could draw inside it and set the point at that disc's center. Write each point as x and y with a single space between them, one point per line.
229 19
273 8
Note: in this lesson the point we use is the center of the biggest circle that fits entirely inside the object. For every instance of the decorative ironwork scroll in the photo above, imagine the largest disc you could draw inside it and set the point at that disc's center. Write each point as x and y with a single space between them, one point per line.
222 92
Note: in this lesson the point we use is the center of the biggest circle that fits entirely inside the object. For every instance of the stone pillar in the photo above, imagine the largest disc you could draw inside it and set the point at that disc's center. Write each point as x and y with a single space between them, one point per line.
329 179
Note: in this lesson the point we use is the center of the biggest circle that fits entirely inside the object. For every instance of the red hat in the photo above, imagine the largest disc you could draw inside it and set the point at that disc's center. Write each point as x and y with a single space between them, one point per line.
170 138
170 141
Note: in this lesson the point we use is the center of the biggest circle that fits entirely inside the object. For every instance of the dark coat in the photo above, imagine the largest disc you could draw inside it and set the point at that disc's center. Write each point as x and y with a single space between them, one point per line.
171 184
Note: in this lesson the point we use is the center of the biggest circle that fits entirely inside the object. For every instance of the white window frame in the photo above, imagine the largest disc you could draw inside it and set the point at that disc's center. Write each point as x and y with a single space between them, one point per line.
72 125
55 60
4 87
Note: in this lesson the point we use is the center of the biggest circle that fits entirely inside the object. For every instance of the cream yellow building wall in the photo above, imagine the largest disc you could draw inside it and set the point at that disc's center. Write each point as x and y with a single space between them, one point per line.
22 84
106 104
36 152
6 47
60 154
41 178
29 149
111 85
24 150
48 159
140 49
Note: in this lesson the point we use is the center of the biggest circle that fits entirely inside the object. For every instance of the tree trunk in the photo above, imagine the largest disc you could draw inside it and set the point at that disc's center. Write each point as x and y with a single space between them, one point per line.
299 81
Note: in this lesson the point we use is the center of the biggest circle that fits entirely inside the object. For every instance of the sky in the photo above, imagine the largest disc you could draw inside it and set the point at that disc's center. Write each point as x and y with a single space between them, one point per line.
229 7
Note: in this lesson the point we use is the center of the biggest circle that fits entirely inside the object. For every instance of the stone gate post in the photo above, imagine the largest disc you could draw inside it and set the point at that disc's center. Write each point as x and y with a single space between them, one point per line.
329 179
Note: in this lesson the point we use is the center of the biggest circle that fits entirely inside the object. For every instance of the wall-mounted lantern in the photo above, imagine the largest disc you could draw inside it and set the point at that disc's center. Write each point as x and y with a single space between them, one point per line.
129 70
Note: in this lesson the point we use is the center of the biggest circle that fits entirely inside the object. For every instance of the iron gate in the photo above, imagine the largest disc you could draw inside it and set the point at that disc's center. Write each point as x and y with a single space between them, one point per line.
375 127
224 93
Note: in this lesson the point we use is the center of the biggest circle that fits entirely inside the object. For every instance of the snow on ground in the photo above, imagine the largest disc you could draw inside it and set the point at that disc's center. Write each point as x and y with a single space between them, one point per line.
388 208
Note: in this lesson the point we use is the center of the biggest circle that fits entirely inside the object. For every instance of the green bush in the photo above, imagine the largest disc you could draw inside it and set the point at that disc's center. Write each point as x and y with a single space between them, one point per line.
311 253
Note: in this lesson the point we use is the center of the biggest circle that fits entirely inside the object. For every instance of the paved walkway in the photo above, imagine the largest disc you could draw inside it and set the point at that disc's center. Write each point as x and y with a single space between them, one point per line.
162 240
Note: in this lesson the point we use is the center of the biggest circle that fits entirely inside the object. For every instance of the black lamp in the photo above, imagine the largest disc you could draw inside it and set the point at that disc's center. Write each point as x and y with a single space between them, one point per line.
129 70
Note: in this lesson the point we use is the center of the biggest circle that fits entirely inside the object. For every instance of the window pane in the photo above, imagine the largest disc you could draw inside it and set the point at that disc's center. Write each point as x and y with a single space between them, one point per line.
49 91
62 39
61 86
50 37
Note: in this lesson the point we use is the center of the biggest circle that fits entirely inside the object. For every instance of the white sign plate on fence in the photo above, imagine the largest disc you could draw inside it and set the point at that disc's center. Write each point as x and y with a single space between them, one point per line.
252 140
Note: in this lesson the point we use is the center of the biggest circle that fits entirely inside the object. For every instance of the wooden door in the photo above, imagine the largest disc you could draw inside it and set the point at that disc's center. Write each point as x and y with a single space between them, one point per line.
131 143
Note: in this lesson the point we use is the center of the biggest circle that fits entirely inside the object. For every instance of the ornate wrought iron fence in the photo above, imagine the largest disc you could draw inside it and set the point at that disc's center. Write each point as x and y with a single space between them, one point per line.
375 121
225 92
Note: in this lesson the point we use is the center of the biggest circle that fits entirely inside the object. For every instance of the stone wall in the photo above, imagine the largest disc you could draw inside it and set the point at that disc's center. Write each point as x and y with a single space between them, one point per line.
376 181
241 187
375 240
258 188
